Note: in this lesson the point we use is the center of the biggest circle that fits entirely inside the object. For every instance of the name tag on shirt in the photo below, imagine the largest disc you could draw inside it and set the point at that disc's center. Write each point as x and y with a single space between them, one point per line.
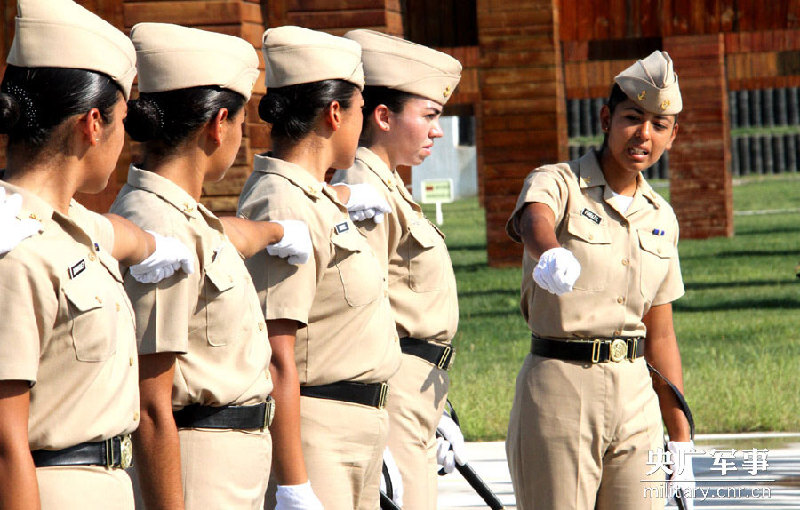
592 216
77 269
342 227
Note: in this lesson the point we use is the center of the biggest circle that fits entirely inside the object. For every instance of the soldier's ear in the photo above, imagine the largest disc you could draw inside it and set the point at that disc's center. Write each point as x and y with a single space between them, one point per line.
382 117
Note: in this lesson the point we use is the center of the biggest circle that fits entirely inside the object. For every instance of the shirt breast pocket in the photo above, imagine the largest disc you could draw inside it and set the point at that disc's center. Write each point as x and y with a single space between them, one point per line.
656 253
92 324
224 302
359 272
425 257
591 244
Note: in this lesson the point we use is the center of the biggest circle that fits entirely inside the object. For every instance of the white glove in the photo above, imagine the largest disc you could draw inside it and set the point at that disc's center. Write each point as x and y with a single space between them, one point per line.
395 480
450 449
365 203
682 478
297 497
557 271
13 230
295 245
169 256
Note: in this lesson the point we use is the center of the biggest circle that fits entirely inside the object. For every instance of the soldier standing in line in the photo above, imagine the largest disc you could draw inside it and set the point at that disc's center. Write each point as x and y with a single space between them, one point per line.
68 370
330 324
203 441
406 88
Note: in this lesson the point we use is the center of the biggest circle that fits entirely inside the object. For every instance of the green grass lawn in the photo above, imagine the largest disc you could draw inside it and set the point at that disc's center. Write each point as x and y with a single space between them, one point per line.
738 325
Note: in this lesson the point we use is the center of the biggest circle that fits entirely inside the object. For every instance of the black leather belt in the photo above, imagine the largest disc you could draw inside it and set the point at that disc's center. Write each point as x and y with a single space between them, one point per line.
594 350
257 416
116 452
373 394
440 356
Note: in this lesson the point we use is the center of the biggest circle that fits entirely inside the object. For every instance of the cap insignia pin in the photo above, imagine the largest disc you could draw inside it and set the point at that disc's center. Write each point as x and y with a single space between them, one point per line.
642 95
446 92
664 104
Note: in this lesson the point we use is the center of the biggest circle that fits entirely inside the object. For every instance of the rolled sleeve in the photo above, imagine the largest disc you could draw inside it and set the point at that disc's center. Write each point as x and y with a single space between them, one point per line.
672 287
545 186
162 312
28 308
286 291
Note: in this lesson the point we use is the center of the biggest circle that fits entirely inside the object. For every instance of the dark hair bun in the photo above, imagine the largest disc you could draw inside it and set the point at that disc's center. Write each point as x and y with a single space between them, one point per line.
144 121
10 112
273 107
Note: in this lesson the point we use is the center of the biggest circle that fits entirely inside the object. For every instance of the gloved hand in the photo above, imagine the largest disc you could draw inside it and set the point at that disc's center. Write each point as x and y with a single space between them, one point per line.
557 271
13 230
682 478
450 449
169 256
365 202
297 497
395 480
295 245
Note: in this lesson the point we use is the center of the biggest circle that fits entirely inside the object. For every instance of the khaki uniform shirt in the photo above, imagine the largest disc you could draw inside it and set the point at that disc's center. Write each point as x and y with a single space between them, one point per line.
67 327
627 265
340 295
211 318
422 286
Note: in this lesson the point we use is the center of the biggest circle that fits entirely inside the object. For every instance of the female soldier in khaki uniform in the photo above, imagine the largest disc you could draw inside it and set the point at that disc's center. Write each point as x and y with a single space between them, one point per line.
406 87
601 247
330 325
68 369
202 441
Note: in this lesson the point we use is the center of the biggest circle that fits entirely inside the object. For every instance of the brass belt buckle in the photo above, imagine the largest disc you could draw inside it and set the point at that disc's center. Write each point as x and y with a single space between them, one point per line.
445 359
383 395
596 343
618 350
110 452
269 412
126 451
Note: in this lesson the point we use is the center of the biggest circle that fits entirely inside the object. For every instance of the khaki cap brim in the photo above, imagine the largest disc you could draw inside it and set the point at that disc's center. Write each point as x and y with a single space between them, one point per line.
172 57
405 66
62 34
296 55
652 84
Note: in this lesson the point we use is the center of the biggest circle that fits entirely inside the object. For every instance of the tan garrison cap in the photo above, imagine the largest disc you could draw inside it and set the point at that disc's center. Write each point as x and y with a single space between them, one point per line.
61 33
171 57
402 65
296 55
653 84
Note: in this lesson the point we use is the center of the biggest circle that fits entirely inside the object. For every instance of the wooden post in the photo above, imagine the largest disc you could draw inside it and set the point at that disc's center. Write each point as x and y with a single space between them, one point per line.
701 189
523 117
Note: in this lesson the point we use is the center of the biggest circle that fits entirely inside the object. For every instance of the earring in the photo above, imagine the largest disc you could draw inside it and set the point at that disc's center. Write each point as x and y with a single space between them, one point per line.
97 139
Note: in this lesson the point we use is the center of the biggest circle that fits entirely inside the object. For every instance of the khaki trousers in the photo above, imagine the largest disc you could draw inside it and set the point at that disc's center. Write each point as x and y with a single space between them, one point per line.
417 395
579 436
224 469
343 450
84 488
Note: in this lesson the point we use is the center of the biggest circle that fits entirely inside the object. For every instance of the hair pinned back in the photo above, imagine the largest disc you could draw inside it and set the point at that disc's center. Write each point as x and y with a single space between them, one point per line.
166 119
34 101
294 110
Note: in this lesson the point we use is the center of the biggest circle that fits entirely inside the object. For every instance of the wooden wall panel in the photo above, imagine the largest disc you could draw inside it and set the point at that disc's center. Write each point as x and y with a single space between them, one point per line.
521 82
700 159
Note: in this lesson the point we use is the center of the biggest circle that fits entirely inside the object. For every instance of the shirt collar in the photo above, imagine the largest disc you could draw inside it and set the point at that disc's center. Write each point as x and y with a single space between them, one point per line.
589 172
165 189
292 172
33 207
378 167
590 175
